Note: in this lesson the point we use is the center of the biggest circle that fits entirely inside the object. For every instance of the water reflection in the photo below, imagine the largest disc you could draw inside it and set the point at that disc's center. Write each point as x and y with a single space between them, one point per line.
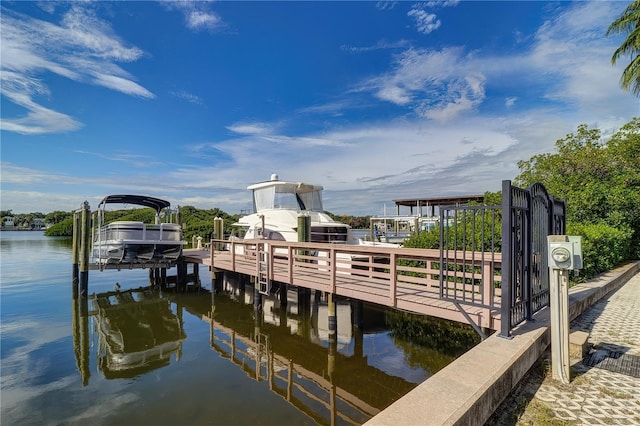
341 375
136 332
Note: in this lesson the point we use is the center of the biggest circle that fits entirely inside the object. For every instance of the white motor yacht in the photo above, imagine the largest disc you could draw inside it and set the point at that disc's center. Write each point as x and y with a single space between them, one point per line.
277 205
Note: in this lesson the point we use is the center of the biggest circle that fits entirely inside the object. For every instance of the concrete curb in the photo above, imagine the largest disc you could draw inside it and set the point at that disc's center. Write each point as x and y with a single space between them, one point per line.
469 390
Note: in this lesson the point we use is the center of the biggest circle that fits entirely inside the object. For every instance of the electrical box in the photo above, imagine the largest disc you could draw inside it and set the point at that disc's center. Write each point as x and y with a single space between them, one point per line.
565 252
577 251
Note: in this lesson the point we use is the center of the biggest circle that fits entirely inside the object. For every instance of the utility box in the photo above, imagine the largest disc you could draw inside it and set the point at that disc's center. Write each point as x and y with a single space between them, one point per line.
577 251
565 252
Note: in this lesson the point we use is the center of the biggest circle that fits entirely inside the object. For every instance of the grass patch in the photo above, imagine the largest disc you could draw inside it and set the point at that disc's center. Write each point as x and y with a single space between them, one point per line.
613 393
537 413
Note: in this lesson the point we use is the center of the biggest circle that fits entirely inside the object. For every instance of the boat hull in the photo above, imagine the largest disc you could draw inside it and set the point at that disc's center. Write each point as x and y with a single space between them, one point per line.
136 242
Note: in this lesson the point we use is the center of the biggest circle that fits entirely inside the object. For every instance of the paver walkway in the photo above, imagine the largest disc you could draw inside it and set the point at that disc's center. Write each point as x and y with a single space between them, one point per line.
605 385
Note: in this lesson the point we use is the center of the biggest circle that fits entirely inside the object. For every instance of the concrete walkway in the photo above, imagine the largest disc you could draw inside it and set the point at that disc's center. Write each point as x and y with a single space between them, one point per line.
496 381
605 384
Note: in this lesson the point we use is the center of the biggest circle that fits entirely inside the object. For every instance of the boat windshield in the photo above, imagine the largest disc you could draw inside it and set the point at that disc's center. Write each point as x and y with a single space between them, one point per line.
288 197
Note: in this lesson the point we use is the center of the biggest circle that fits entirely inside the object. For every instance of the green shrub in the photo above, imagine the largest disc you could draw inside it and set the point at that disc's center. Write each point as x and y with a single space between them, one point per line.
61 229
603 247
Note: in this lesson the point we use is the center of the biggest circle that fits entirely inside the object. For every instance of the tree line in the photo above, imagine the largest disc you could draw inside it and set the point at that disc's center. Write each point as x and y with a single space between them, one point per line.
599 178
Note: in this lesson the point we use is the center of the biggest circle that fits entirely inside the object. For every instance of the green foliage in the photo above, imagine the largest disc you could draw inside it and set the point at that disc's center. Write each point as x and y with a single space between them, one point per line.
425 239
63 228
599 180
197 222
603 247
472 229
146 215
57 216
628 23
355 222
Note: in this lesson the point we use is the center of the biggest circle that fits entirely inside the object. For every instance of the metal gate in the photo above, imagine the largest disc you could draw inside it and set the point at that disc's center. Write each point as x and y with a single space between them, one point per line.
528 217
519 229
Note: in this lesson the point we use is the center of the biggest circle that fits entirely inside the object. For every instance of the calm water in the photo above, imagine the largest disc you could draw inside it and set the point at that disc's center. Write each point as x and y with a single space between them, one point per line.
141 356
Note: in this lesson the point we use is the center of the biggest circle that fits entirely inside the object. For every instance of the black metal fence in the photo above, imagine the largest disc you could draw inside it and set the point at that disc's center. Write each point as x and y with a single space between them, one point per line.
518 229
529 216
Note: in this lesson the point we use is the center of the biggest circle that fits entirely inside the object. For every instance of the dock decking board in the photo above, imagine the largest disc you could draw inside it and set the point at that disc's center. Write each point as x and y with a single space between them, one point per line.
376 279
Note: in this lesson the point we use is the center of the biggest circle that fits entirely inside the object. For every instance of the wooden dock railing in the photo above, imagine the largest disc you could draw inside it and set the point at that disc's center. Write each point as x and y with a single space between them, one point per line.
403 278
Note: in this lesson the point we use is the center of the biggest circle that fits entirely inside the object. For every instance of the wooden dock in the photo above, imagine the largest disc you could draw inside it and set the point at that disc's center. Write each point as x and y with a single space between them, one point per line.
403 278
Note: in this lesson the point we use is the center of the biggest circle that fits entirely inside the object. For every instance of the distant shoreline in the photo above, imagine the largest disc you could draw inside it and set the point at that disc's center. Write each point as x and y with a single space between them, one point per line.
21 229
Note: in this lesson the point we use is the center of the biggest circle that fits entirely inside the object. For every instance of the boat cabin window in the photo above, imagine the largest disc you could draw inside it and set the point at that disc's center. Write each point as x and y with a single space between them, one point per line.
286 197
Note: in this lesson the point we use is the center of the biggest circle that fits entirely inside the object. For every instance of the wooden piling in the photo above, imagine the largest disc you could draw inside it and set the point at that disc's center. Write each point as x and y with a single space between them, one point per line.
75 251
85 243
218 231
331 313
283 292
257 296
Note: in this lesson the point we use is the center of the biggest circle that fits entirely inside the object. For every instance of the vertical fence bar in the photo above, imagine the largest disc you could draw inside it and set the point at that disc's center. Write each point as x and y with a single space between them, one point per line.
507 268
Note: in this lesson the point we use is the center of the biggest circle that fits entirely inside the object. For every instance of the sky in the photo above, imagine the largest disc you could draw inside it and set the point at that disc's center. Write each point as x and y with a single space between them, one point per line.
375 101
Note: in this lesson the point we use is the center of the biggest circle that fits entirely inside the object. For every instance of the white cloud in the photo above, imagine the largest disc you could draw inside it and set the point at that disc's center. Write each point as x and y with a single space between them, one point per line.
197 14
435 84
189 97
425 22
251 128
82 48
380 45
510 101
567 63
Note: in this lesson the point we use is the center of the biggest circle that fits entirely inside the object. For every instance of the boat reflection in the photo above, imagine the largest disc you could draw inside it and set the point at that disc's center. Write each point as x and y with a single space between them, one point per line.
136 332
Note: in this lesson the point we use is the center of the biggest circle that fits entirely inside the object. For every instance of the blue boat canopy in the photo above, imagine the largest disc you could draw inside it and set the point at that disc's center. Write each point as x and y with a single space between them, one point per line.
155 203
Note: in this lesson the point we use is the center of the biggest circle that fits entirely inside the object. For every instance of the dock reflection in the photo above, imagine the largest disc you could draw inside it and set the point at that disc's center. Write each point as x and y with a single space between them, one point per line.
327 373
323 374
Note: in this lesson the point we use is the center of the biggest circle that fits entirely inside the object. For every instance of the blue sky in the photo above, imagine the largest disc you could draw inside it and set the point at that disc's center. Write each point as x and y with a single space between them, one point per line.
375 101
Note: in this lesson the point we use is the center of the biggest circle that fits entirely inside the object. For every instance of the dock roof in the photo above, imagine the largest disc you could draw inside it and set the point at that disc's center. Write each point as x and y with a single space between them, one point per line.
439 201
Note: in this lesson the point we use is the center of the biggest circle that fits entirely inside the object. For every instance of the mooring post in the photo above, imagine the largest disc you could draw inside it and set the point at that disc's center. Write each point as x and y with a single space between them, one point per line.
75 252
196 274
218 231
242 284
304 232
85 243
284 300
76 246
257 296
331 314
357 308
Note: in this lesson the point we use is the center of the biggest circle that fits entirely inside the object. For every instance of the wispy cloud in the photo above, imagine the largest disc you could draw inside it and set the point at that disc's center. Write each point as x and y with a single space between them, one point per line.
435 84
251 128
136 160
189 97
198 15
385 5
567 63
425 22
380 45
82 48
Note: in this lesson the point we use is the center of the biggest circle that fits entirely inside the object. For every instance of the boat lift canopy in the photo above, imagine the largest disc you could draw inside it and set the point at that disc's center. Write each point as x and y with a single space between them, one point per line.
155 203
